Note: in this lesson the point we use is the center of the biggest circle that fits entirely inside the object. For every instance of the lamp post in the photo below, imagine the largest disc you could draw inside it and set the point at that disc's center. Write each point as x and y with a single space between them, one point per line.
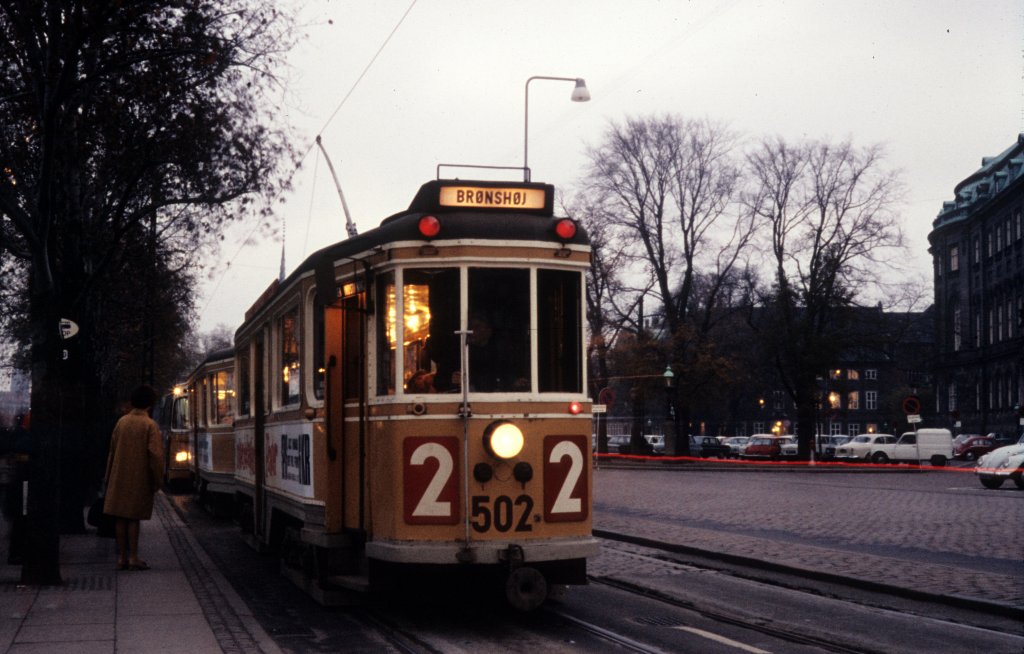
670 422
579 94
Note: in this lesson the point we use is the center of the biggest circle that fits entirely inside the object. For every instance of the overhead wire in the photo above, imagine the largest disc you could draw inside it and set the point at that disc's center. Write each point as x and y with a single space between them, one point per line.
305 154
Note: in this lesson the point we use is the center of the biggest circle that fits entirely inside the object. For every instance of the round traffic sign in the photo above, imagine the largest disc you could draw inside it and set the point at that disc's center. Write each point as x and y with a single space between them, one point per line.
911 405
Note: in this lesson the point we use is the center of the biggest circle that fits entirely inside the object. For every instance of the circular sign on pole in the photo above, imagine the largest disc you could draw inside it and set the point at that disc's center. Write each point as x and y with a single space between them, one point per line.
606 396
68 328
911 405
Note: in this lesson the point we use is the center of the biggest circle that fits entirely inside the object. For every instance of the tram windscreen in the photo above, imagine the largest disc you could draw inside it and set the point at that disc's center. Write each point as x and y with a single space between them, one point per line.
559 358
431 318
499 318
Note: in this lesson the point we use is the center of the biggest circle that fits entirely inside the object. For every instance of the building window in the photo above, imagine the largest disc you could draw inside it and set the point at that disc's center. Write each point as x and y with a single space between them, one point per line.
956 329
871 373
988 244
977 250
977 329
999 323
954 258
1016 224
758 427
835 428
952 397
853 400
853 428
852 374
871 400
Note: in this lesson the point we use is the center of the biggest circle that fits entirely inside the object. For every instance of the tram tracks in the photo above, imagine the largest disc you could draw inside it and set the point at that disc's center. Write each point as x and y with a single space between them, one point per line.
878 617
772 630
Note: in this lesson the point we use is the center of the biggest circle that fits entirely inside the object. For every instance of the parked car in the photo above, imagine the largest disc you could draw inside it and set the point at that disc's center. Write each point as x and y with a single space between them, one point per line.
929 444
1002 440
789 447
657 442
863 446
973 447
827 445
1001 464
736 445
616 442
708 446
763 446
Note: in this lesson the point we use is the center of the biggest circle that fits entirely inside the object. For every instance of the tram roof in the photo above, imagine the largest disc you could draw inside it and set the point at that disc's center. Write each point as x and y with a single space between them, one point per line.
457 222
470 220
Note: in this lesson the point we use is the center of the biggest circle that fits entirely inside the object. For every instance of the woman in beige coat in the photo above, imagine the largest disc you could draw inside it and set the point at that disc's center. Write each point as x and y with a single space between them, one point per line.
134 475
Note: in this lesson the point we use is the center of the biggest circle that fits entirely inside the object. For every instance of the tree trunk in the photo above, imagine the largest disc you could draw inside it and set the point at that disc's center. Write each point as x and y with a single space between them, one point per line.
41 560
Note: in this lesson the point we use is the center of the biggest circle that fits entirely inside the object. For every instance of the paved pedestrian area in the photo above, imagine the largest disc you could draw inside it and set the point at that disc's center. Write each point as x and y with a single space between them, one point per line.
182 604
942 537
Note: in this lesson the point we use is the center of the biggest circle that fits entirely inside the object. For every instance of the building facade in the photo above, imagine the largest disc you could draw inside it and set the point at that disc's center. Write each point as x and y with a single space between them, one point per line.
977 248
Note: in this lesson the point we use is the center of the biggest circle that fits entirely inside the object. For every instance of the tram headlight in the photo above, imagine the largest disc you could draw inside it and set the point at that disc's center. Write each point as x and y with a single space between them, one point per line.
503 439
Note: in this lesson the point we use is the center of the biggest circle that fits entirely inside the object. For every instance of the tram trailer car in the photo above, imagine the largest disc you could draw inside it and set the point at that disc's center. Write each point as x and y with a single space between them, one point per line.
211 389
172 416
411 401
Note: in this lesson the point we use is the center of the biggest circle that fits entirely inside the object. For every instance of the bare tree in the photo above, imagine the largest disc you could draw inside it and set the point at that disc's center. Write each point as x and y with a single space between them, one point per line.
831 235
130 130
667 188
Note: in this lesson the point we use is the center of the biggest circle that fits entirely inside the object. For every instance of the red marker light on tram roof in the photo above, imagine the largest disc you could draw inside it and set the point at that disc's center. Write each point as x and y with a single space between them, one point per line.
575 408
429 226
565 228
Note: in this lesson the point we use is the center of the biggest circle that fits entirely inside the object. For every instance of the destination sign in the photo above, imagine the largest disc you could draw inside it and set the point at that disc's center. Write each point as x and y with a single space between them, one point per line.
484 197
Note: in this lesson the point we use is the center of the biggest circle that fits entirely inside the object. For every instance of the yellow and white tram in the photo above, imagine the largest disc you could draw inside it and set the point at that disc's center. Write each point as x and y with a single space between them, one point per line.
211 388
412 399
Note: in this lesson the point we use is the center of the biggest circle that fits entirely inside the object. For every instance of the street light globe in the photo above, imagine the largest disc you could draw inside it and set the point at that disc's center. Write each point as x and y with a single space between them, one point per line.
580 93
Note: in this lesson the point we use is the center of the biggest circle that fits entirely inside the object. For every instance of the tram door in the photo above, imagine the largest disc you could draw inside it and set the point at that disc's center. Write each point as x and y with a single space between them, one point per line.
344 365
353 394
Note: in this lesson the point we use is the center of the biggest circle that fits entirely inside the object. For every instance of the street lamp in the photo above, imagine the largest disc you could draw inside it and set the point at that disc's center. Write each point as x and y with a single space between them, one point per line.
579 94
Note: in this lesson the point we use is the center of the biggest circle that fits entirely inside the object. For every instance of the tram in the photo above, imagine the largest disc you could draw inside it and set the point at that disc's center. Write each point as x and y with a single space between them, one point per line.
172 415
411 401
211 389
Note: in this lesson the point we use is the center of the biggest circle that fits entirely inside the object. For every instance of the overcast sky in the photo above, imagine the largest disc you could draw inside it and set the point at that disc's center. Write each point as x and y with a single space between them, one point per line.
940 83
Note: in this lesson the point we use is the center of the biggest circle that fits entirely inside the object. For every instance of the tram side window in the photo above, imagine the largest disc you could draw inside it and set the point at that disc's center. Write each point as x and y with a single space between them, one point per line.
223 396
559 361
200 402
387 334
289 358
179 413
352 373
499 317
319 371
243 386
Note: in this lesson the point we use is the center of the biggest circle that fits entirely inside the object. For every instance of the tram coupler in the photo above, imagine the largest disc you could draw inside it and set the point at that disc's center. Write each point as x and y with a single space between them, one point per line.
513 557
525 587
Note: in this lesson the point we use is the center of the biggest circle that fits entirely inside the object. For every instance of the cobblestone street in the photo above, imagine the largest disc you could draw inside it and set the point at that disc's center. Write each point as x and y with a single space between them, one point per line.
934 532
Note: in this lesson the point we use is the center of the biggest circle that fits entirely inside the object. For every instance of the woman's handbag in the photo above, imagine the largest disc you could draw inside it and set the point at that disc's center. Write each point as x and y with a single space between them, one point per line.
97 518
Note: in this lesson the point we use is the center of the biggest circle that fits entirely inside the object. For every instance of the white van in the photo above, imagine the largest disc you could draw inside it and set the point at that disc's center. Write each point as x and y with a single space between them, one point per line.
932 445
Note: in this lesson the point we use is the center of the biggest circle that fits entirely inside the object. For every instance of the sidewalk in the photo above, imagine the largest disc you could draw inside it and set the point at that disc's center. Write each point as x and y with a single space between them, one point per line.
182 604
